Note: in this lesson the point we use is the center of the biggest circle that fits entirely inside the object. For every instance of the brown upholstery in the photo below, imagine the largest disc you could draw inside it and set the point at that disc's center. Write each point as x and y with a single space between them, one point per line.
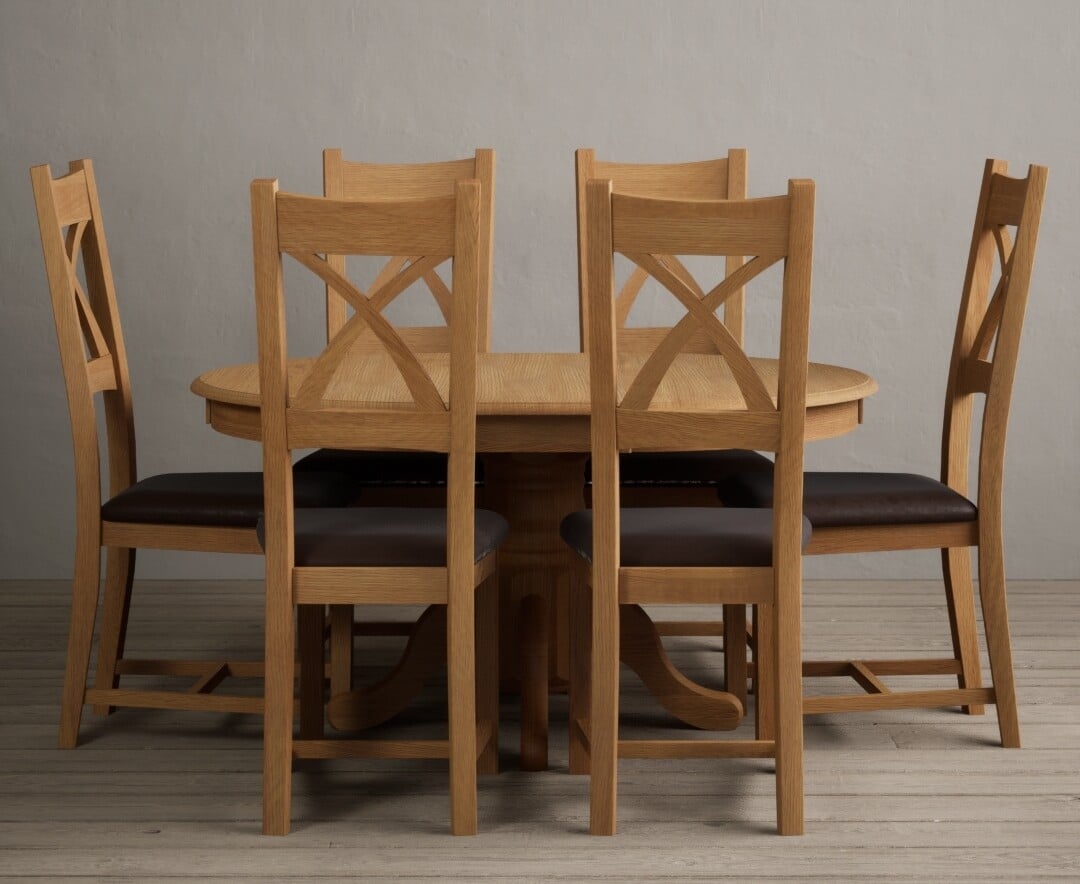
233 500
382 468
380 536
849 500
685 469
690 536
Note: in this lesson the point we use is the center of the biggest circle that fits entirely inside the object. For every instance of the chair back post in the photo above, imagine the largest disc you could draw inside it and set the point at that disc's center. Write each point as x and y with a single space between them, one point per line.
80 400
273 373
484 172
791 384
1007 346
119 407
603 371
719 179
461 476
735 306
584 163
334 188
88 330
959 403
988 329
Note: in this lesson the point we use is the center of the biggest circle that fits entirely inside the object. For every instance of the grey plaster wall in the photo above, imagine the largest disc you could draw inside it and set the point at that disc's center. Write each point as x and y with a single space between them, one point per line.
891 106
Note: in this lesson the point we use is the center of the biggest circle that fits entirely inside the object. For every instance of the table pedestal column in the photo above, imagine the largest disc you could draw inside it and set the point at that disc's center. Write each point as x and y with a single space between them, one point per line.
534 492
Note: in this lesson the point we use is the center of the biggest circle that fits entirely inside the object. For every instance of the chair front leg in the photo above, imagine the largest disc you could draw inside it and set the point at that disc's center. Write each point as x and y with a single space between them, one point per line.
487 671
119 576
312 635
960 597
461 689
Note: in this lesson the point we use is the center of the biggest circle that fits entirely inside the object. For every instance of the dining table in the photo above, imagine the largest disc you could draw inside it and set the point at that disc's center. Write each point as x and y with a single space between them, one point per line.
533 436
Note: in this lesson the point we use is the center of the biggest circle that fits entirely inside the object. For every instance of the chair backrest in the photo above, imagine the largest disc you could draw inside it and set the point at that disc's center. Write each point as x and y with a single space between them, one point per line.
347 180
989 326
87 329
719 179
321 412
624 414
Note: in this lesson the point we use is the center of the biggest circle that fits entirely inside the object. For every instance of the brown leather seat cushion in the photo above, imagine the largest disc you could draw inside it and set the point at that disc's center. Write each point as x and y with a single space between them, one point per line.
381 468
685 469
384 536
232 500
846 500
688 536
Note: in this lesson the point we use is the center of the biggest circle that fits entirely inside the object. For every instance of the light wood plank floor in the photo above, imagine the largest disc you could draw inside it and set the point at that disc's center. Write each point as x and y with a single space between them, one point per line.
897 796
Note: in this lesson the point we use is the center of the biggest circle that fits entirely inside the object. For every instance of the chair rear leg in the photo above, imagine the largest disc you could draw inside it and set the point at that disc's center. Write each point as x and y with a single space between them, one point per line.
279 684
960 596
119 575
461 688
604 717
996 623
84 599
789 721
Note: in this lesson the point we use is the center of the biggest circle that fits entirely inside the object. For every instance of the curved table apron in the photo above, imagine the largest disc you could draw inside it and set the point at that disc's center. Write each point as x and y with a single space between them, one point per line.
533 432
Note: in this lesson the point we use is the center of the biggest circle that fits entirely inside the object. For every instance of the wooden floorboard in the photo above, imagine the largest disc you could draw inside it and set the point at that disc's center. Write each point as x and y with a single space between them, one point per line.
909 795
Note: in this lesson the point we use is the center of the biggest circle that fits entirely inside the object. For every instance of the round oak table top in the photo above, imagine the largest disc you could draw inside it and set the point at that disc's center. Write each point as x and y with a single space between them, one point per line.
537 402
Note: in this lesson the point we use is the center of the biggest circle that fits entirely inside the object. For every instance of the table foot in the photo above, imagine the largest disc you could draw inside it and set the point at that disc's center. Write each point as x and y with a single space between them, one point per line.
640 648
424 655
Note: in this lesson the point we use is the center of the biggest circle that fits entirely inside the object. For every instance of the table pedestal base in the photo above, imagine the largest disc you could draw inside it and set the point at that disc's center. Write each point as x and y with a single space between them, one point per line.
537 584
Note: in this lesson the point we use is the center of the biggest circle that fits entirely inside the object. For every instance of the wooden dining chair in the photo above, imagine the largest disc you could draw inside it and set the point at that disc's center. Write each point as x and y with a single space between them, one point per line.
876 512
373 555
675 478
693 555
207 512
399 478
